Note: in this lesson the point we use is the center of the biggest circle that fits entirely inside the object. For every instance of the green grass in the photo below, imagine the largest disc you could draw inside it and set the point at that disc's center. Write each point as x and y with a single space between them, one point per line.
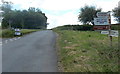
87 51
27 31
6 33
0 32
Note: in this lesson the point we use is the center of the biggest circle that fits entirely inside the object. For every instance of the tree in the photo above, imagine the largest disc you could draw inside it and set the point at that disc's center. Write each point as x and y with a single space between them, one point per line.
28 19
116 13
87 14
6 6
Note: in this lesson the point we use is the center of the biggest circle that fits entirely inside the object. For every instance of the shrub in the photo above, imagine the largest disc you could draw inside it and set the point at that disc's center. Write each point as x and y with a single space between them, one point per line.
76 27
7 33
115 27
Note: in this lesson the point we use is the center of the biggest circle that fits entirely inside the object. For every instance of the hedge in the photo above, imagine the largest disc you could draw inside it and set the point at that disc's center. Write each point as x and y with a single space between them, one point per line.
76 27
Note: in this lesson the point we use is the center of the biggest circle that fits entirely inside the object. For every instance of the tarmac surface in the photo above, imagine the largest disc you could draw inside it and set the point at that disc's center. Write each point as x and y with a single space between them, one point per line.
35 52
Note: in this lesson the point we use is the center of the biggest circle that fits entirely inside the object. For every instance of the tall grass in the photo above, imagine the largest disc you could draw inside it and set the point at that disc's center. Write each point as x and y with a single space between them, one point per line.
7 33
87 51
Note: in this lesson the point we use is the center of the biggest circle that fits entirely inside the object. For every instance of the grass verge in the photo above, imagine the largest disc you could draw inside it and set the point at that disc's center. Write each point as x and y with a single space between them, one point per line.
6 33
87 51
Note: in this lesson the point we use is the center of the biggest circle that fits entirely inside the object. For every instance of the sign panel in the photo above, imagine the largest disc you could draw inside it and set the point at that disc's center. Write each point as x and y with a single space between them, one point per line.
101 21
104 32
17 33
103 14
101 27
114 33
17 29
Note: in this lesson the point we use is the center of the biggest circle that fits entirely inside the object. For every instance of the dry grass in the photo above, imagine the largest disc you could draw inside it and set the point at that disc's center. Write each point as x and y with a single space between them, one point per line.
87 51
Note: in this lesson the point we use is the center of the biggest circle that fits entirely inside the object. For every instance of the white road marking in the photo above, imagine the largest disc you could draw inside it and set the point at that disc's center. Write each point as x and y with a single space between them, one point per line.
12 39
19 37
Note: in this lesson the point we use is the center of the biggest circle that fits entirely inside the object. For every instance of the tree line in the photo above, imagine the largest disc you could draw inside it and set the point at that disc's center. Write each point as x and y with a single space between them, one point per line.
32 18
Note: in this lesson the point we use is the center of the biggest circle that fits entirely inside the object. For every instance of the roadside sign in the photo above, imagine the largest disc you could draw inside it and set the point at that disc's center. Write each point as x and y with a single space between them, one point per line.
114 33
104 32
101 21
101 27
17 33
17 29
103 14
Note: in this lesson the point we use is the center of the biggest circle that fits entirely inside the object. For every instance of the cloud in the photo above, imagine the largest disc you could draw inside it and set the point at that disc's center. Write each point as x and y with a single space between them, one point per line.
52 4
25 4
107 5
67 18
64 4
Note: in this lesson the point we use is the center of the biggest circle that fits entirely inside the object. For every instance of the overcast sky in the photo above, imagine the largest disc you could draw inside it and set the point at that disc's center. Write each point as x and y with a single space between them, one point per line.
62 12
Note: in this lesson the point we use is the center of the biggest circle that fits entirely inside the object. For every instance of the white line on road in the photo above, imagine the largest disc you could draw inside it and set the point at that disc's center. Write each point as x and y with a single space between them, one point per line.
14 38
11 40
19 37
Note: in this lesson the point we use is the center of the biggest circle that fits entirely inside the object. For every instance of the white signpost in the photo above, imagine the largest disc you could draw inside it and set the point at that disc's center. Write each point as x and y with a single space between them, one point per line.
17 32
114 33
103 14
101 21
104 32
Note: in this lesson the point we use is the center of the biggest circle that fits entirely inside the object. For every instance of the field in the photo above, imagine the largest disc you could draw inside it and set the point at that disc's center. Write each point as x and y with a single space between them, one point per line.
86 51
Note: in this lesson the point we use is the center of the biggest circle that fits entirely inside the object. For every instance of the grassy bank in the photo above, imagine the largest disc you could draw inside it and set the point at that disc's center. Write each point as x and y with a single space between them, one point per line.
87 51
10 33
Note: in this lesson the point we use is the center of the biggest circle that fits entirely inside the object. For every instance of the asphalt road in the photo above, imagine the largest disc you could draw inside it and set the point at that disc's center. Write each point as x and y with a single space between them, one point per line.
32 53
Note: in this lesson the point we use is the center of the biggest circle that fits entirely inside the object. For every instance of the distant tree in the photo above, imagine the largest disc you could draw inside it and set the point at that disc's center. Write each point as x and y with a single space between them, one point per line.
29 19
116 13
6 7
87 14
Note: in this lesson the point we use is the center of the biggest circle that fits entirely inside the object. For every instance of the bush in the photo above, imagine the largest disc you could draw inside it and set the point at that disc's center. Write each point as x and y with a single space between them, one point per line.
115 27
7 33
76 27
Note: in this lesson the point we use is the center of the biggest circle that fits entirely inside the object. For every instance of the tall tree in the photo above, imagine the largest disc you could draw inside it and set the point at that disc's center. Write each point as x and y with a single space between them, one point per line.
30 19
6 6
87 14
116 13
